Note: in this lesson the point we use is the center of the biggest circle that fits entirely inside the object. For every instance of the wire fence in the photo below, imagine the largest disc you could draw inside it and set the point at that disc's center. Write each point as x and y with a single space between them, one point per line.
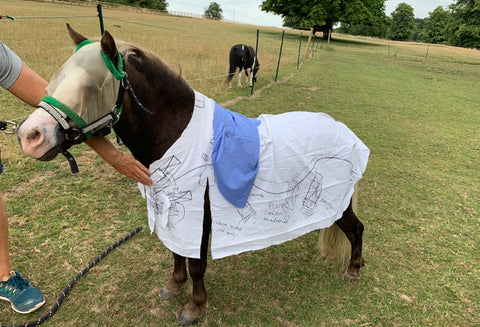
274 64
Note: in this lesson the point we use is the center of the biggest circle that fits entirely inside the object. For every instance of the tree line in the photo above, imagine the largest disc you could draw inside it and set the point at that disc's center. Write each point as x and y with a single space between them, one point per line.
213 11
457 25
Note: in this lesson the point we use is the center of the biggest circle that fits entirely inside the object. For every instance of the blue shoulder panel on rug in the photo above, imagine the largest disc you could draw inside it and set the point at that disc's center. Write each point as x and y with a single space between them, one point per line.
235 154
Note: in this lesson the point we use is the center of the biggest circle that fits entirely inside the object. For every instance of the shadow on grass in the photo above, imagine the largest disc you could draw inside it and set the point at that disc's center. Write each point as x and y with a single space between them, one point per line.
294 35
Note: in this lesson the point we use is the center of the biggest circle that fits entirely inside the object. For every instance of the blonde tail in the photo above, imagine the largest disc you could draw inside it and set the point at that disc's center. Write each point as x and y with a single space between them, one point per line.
333 244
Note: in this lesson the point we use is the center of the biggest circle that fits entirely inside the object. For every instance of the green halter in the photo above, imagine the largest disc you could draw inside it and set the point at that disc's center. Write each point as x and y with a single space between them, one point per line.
66 110
81 124
116 71
84 131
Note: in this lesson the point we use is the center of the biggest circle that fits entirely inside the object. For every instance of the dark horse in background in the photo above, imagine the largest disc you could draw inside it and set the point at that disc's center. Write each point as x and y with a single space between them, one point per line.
244 58
86 89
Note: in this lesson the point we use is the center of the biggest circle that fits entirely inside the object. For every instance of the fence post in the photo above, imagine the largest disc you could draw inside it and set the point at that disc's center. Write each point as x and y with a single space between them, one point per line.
309 43
100 17
314 39
254 63
279 55
299 49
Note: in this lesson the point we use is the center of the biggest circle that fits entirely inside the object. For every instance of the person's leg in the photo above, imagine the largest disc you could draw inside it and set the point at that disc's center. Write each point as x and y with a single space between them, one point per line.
24 297
4 252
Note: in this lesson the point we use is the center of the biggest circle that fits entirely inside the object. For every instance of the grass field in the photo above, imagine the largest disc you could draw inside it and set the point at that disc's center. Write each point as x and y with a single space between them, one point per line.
415 106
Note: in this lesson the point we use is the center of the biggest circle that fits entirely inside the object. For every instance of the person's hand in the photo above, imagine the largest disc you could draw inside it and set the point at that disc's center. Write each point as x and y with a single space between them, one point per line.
127 165
124 163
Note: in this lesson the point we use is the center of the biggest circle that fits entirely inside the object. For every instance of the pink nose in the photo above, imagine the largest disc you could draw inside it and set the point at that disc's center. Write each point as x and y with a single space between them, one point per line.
37 135
33 141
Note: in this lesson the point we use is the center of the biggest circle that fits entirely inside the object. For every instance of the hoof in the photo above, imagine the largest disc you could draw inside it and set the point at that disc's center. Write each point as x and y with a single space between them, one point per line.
350 278
186 320
168 295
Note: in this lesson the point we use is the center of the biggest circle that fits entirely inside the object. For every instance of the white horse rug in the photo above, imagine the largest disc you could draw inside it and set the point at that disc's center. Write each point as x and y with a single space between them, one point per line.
308 166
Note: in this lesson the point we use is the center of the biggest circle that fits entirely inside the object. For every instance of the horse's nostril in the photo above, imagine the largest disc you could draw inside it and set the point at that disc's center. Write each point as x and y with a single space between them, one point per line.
33 135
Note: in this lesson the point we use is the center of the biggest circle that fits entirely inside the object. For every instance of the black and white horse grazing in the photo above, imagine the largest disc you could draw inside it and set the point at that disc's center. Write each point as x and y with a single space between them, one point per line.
244 58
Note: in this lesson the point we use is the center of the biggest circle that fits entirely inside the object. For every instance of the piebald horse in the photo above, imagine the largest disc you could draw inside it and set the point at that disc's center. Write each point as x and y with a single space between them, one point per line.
244 58
153 109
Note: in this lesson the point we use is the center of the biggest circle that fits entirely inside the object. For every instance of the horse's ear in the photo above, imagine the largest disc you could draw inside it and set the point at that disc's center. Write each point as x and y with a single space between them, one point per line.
76 37
109 47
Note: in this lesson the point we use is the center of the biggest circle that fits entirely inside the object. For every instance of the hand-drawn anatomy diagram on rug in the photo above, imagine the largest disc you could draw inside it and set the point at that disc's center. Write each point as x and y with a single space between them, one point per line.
301 186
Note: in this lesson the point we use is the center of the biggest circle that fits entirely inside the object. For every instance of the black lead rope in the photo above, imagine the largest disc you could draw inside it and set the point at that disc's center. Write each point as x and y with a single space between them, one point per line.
4 128
74 280
125 85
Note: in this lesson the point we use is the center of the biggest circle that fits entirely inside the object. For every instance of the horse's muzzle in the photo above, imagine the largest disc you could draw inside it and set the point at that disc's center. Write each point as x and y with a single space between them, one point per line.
55 148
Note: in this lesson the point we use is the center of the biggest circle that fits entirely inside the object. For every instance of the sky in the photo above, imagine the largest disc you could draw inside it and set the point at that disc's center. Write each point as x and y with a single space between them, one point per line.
421 8
248 11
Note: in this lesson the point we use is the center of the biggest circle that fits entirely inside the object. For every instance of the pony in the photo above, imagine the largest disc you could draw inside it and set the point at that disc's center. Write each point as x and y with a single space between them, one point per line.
244 58
152 109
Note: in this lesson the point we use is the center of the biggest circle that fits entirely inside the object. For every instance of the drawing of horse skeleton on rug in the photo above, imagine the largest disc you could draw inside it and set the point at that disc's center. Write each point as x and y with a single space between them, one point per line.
275 213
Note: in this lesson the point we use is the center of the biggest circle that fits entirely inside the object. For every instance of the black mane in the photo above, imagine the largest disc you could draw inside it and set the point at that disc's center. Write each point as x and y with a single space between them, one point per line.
164 92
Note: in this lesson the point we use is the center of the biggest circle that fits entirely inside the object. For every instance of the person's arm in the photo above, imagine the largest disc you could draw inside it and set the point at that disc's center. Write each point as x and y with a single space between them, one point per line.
123 162
29 86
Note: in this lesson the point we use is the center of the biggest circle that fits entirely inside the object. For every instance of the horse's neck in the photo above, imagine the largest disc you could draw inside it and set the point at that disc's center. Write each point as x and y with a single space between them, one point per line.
148 137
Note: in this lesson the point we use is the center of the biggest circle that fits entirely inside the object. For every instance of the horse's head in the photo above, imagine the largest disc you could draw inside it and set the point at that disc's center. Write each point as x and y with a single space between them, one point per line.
80 99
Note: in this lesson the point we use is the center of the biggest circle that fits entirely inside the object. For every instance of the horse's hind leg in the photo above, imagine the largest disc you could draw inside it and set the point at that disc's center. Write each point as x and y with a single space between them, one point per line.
231 73
193 311
353 229
179 277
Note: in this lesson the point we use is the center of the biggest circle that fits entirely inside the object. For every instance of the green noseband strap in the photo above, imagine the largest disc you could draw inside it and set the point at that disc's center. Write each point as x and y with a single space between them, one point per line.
67 111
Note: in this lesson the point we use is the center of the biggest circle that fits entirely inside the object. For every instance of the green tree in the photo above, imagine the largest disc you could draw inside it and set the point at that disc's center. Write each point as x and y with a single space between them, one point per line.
378 28
324 14
435 27
403 23
214 11
419 26
464 27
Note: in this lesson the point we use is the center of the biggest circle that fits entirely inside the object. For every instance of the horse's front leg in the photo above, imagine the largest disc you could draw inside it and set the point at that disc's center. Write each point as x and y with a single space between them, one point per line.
194 309
179 277
239 78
